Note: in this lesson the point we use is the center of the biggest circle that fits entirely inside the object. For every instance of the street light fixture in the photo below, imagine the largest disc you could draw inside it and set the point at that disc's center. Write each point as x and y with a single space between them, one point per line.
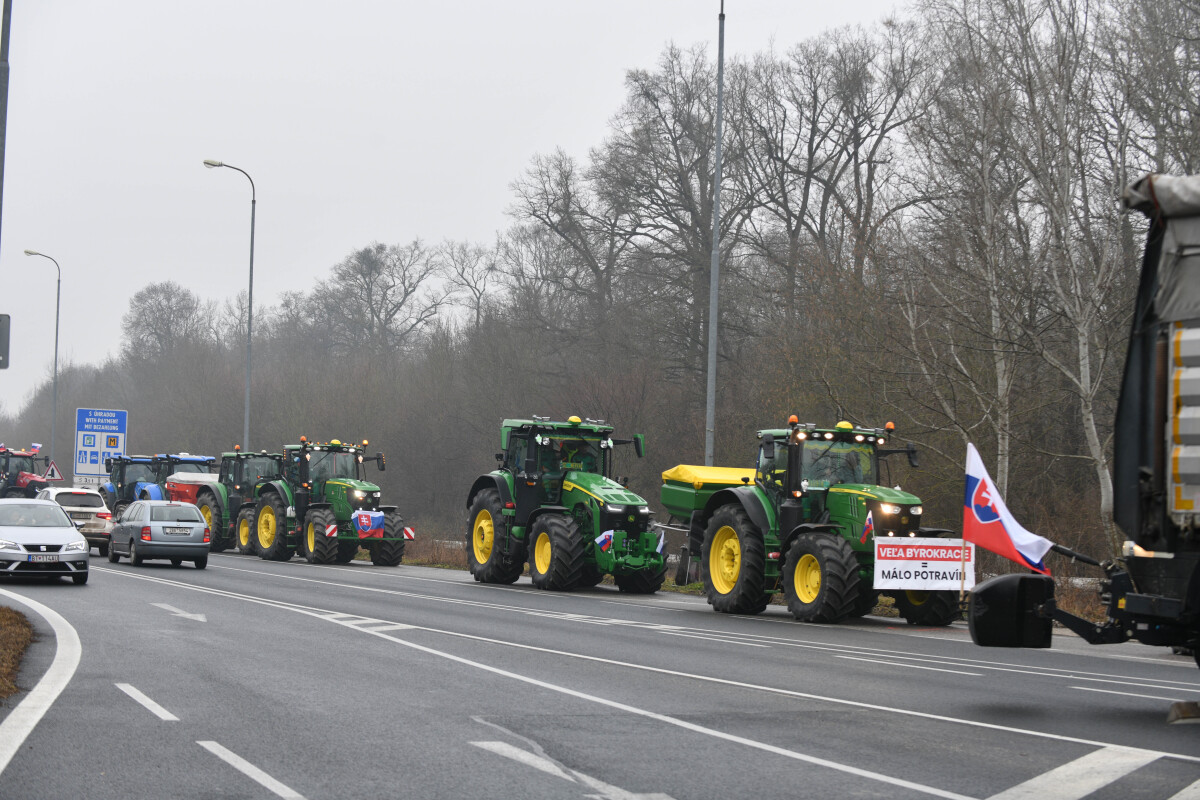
210 163
57 303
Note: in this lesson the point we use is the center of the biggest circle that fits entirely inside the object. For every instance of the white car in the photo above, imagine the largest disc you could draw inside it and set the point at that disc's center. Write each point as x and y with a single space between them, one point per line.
38 539
86 506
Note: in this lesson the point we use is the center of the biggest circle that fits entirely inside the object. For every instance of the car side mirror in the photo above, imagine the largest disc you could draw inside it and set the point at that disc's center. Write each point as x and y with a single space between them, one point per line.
911 450
768 446
639 444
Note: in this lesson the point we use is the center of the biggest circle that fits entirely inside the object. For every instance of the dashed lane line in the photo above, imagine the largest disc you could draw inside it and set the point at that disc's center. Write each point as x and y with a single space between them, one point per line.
910 666
250 771
151 706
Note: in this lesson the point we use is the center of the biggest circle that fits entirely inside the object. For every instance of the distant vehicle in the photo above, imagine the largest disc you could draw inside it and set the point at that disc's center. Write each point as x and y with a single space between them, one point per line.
144 477
86 506
19 476
160 529
38 539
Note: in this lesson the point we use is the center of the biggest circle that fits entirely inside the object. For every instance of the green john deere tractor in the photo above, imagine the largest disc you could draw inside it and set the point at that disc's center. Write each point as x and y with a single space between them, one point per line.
551 502
797 524
227 500
324 508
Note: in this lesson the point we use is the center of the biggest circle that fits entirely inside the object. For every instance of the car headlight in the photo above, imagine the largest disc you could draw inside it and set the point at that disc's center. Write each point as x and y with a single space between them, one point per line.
5 544
916 511
359 495
75 547
889 508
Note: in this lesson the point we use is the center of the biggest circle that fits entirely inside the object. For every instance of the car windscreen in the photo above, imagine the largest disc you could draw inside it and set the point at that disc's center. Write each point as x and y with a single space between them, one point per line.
28 515
79 500
175 514
191 467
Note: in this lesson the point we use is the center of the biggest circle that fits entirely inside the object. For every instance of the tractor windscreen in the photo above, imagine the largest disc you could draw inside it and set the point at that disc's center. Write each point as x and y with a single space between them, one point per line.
328 465
839 462
261 469
191 466
20 464
135 473
567 453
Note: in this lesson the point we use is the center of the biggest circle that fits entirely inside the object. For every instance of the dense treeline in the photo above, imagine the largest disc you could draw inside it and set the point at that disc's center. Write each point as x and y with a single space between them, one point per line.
918 224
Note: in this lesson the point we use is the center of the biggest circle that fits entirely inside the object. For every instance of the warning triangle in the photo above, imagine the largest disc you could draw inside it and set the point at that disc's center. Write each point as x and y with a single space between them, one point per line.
52 473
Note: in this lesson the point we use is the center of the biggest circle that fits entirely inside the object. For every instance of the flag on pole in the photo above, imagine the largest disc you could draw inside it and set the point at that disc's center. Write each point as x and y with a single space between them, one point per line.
988 523
868 529
36 446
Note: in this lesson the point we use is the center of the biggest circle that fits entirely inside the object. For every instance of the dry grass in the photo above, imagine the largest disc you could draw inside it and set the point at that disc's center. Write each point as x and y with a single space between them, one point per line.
15 635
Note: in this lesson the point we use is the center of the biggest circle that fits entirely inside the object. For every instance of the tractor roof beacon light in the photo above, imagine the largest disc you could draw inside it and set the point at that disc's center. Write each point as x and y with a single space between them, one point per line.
844 426
574 420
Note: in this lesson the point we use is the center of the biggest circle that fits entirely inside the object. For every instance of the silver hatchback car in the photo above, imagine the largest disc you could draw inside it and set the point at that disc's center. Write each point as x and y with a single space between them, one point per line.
160 529
37 539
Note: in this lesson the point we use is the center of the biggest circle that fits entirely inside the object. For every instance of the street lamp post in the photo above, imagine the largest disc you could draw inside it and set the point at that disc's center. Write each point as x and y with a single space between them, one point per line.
57 304
249 297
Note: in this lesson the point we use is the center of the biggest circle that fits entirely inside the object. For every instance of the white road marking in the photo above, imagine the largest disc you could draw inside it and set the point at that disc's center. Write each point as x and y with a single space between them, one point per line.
1127 694
322 614
525 757
910 666
180 612
1187 793
391 626
151 706
1079 778
21 721
250 771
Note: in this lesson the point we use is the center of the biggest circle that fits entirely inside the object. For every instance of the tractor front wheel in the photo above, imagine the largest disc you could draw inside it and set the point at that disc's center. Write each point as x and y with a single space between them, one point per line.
318 546
389 551
270 528
487 537
212 518
556 557
733 563
646 581
244 531
928 608
820 578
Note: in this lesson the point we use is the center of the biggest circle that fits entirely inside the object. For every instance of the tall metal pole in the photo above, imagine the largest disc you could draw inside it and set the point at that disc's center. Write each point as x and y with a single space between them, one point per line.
714 281
249 297
57 306
5 22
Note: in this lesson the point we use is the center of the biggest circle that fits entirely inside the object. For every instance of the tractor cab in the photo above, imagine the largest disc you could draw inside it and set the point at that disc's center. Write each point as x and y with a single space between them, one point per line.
241 473
19 476
140 477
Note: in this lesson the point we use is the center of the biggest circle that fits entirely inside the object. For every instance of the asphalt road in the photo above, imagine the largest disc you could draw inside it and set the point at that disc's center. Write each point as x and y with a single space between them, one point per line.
254 679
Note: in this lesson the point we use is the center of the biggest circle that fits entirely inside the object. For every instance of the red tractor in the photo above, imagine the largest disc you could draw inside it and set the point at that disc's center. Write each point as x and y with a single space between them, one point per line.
18 473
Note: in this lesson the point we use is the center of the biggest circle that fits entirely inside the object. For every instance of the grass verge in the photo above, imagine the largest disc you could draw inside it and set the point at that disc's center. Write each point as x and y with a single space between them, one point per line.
15 635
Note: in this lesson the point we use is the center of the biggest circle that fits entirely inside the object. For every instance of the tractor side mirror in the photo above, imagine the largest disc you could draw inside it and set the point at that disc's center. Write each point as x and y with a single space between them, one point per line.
379 459
108 465
639 444
500 457
768 446
911 450
530 465
1012 611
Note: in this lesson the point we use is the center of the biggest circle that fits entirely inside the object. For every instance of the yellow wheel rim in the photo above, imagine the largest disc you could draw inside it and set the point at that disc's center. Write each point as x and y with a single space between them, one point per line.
310 533
541 553
483 536
807 578
206 512
244 531
725 560
917 598
266 527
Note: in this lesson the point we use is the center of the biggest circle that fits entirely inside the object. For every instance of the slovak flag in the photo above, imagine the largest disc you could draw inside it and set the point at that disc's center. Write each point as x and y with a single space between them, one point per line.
988 523
868 528
369 524
662 542
605 540
36 446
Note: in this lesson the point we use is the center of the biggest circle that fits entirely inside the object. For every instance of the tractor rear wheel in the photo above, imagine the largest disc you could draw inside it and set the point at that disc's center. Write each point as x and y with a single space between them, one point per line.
820 578
928 608
733 563
347 550
270 528
866 602
646 581
211 511
318 547
244 536
556 557
389 551
487 538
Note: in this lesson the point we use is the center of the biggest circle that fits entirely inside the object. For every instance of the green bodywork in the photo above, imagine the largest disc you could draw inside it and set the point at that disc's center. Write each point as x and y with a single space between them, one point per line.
572 462
240 479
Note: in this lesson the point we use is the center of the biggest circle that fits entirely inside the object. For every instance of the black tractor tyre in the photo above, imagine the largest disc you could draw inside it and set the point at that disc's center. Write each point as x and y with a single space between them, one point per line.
119 509
820 578
324 548
556 553
389 552
866 602
211 511
590 577
243 531
14 493
486 539
734 545
270 528
347 549
646 581
934 609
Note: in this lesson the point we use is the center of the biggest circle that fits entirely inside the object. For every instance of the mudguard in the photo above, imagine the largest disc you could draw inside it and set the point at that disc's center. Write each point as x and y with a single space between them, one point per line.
144 490
490 481
745 496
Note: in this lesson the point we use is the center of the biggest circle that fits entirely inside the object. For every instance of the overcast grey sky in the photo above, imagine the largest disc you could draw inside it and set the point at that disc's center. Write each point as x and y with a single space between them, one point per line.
360 121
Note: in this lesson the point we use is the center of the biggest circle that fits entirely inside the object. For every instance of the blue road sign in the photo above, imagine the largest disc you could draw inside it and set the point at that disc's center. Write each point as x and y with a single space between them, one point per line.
99 434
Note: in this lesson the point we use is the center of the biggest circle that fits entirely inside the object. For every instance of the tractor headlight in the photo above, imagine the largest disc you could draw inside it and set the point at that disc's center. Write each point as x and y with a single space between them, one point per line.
359 495
889 508
644 510
376 495
916 511
612 509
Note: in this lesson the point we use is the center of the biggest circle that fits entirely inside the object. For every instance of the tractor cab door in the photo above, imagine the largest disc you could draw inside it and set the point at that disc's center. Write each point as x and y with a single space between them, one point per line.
230 477
522 460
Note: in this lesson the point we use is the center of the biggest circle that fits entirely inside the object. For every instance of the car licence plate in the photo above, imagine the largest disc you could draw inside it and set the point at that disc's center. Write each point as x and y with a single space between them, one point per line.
46 557
81 516
177 531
